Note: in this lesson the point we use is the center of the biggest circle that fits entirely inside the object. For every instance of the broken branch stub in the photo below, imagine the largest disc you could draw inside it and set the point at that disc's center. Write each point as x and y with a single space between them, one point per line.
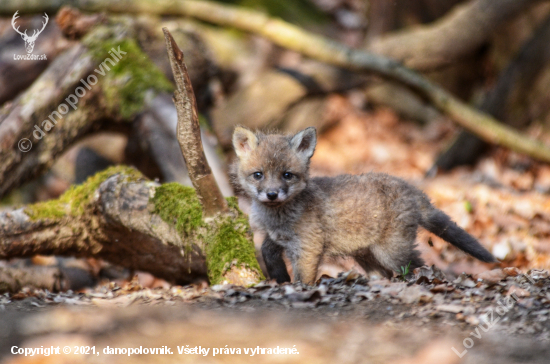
189 134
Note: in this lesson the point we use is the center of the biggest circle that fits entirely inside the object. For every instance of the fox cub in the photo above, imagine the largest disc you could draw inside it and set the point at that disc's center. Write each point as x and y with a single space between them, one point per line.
372 217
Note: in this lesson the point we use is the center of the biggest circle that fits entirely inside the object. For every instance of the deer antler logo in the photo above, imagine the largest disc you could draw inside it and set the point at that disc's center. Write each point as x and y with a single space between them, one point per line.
29 40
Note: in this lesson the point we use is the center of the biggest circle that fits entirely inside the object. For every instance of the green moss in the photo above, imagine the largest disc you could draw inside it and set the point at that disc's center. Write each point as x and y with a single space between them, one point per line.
81 195
76 198
178 205
230 243
126 83
54 209
233 204
226 241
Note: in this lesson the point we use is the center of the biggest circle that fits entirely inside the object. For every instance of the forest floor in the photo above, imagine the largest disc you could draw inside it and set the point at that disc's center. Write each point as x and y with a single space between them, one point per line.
458 310
499 316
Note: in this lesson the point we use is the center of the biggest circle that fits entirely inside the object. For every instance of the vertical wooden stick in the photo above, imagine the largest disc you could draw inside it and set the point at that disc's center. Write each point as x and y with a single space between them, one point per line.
189 134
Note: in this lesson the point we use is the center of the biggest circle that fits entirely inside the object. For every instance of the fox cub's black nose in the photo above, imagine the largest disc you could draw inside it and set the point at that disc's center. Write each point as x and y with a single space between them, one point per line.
272 196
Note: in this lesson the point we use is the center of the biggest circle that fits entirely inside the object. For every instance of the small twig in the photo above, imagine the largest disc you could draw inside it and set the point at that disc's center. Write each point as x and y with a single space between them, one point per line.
189 134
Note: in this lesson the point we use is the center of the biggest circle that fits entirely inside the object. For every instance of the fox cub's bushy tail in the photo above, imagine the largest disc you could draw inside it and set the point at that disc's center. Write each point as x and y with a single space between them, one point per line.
440 224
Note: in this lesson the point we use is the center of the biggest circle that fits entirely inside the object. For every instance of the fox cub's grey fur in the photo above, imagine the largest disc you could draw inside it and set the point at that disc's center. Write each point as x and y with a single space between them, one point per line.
371 217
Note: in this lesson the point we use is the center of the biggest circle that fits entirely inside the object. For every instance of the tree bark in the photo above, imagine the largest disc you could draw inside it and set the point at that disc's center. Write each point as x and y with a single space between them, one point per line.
24 155
235 269
13 278
152 142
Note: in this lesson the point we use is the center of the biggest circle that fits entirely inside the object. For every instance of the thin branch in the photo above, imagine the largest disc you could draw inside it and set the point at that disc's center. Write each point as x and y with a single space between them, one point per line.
320 48
189 134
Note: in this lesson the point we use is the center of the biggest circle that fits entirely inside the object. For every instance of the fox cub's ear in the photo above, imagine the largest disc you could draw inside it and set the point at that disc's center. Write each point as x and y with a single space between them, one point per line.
305 141
244 141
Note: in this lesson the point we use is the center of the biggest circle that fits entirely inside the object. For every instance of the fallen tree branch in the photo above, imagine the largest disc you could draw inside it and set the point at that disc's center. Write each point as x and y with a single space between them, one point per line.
120 217
456 35
319 48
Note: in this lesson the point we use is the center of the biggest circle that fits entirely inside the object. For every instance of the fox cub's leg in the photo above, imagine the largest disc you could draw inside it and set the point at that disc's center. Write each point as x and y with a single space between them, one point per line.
307 263
309 249
273 258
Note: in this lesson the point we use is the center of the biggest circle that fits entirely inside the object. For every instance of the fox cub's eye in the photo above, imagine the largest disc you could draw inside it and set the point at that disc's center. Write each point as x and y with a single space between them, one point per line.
258 176
288 176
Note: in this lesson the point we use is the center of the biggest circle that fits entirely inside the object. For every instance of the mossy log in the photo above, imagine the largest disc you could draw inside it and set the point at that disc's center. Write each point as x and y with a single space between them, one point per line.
82 88
121 217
